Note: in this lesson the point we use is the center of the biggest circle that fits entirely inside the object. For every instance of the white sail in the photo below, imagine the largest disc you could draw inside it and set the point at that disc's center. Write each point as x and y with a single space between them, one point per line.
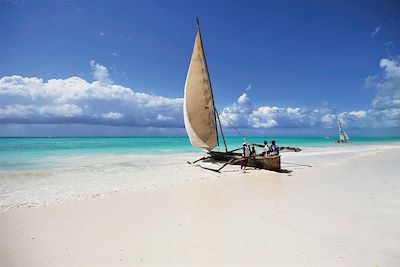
198 106
343 137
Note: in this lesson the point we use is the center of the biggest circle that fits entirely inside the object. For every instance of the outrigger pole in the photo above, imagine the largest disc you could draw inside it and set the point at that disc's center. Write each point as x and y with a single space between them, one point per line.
216 115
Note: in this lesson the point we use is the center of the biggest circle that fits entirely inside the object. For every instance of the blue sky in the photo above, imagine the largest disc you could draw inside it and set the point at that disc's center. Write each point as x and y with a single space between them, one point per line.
118 67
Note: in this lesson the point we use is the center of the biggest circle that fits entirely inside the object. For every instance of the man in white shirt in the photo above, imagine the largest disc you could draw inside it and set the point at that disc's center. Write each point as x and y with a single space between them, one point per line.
246 155
266 148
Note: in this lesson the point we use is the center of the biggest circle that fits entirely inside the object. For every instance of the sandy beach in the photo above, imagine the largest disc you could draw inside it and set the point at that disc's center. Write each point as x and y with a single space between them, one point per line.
119 122
342 211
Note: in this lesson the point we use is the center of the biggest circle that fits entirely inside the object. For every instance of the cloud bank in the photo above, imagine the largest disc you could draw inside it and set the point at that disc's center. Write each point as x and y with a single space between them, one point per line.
30 100
384 111
74 100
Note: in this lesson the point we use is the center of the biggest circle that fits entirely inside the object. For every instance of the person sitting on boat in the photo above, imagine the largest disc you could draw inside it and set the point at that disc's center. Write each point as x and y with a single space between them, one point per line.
246 155
265 149
274 149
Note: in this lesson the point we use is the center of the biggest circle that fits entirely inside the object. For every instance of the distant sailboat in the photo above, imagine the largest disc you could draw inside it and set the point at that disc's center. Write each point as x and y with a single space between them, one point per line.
343 137
201 116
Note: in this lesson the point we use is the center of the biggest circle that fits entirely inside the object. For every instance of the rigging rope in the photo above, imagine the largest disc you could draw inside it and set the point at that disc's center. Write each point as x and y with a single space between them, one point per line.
246 139
296 164
233 126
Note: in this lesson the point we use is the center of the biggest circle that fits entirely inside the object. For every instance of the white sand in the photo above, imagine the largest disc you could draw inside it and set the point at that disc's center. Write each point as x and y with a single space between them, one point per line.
344 211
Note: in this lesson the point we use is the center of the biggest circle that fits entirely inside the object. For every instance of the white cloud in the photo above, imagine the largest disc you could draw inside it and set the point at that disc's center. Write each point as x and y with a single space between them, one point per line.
161 117
101 34
243 99
388 96
383 113
371 118
329 120
375 31
241 114
112 115
100 73
359 114
39 114
264 117
66 110
238 113
74 100
33 100
16 111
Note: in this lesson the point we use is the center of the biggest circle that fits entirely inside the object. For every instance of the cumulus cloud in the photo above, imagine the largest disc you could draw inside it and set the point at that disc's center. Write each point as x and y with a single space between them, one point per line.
238 113
242 114
328 120
32 100
74 100
385 107
384 111
100 73
161 117
388 96
243 99
113 115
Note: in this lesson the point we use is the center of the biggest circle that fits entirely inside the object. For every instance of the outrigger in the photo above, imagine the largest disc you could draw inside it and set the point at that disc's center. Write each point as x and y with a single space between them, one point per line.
202 119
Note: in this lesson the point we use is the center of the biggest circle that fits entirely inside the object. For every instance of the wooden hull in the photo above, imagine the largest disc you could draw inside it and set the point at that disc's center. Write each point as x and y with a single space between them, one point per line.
272 163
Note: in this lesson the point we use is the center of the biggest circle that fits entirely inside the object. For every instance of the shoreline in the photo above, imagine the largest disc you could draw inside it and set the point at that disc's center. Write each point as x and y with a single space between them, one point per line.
331 214
96 175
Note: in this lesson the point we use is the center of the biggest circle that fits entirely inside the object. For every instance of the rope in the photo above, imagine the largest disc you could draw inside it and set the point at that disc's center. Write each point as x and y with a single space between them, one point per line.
236 129
304 165
247 140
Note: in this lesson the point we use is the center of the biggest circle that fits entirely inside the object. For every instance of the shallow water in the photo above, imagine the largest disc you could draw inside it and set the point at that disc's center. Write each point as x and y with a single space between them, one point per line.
21 154
36 171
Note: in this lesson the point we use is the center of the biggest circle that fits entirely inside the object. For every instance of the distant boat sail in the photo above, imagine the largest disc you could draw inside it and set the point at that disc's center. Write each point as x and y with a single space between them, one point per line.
343 137
198 107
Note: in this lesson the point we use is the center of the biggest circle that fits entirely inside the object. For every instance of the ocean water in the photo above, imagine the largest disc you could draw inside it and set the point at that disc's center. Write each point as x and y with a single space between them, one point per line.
37 171
21 154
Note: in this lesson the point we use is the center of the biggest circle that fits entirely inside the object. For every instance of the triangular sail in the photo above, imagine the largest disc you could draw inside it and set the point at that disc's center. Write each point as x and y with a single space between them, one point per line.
198 107
343 137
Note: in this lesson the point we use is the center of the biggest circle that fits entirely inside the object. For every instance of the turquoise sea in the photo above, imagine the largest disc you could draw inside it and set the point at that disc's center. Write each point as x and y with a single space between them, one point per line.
36 171
19 154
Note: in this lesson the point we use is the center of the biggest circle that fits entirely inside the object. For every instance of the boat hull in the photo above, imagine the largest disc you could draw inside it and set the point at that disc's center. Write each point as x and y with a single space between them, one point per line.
272 163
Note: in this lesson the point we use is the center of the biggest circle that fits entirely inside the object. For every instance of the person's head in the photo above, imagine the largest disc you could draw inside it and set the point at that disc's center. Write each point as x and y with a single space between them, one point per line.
273 142
244 144
265 142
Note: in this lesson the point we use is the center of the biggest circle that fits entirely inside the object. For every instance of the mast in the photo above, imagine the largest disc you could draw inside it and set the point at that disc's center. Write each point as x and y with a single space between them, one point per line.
216 116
